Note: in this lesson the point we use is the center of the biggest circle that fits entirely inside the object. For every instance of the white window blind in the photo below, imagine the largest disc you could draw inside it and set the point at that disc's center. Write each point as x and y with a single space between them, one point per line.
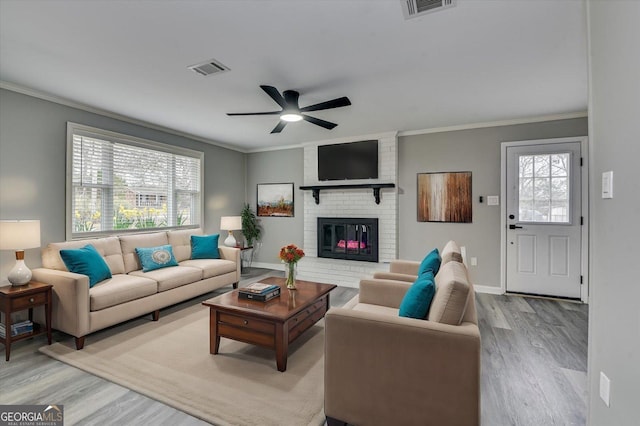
120 183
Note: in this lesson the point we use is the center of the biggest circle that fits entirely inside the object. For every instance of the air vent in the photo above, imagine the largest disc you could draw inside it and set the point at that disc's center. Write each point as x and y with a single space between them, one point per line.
413 8
209 67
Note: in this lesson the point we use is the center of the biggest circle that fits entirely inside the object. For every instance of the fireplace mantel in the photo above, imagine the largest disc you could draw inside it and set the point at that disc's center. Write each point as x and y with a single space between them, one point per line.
375 186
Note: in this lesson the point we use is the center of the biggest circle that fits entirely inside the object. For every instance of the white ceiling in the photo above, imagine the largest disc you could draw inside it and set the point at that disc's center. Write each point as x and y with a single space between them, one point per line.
480 61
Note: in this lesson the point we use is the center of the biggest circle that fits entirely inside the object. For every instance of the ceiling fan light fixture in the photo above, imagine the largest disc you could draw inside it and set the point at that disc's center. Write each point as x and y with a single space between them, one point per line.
291 117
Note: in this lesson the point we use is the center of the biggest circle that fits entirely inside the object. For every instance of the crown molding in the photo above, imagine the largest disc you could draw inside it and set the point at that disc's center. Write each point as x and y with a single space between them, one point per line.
88 108
511 122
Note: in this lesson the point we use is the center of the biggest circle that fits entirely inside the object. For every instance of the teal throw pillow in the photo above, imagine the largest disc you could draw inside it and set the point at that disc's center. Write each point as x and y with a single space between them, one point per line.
153 258
430 263
86 261
205 246
416 301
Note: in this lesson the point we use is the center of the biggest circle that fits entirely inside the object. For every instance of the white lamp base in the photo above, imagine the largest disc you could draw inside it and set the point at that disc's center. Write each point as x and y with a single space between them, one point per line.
230 241
19 274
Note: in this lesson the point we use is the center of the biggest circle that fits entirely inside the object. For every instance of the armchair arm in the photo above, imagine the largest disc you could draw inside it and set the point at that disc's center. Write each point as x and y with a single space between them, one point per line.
381 370
383 292
407 267
394 276
233 254
70 311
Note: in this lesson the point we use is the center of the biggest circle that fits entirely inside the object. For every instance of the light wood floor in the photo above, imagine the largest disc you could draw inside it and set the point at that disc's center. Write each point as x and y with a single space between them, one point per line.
534 360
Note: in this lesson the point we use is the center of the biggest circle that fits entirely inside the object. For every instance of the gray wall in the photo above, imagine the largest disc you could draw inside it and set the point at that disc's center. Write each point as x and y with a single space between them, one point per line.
477 151
33 166
277 167
614 314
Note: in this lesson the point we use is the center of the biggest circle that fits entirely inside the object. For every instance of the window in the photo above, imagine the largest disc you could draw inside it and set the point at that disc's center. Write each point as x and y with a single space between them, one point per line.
544 188
119 183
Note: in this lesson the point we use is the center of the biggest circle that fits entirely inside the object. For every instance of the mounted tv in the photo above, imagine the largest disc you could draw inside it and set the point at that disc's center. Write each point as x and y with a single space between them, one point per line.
355 160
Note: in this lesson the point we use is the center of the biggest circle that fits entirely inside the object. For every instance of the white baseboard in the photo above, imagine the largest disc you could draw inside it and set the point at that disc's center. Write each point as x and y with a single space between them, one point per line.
265 265
487 289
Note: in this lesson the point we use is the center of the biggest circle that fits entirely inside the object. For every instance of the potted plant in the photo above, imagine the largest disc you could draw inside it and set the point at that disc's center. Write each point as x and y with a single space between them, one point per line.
250 227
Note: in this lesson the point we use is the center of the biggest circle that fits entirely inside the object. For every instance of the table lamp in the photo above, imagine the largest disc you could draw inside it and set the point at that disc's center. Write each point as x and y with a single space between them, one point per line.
19 235
230 223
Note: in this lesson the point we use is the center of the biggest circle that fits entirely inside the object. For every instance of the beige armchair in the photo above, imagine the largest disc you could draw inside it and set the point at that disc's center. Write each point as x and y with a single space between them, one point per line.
383 369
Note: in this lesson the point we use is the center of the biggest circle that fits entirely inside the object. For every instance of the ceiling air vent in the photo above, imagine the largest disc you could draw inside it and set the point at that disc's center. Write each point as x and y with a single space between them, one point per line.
413 8
209 67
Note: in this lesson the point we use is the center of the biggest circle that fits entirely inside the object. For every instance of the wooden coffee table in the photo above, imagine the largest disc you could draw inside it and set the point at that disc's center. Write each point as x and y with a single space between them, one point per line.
273 324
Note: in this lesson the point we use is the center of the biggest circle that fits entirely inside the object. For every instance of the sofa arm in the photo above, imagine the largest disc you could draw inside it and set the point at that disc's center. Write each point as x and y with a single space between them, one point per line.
70 311
383 292
233 254
381 275
382 369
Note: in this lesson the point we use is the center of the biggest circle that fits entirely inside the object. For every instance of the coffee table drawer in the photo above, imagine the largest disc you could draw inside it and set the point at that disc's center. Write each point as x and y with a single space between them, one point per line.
305 324
248 323
302 315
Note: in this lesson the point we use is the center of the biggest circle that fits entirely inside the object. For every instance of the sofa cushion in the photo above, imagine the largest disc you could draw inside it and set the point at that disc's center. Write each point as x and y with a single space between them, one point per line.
119 289
431 262
205 246
416 301
180 240
153 258
108 247
211 267
129 243
171 277
87 261
451 252
452 291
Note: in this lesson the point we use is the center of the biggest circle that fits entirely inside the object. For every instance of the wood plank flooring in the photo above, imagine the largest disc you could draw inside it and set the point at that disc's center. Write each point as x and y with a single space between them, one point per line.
534 358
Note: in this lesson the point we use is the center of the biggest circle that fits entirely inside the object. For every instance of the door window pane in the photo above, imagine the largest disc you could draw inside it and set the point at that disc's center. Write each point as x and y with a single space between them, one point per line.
543 189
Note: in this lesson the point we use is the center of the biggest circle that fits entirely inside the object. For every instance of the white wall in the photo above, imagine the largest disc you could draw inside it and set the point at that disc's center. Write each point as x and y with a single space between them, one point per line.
33 165
614 314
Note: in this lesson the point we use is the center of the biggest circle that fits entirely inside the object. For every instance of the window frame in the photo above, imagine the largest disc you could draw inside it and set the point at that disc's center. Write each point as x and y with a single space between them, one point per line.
120 138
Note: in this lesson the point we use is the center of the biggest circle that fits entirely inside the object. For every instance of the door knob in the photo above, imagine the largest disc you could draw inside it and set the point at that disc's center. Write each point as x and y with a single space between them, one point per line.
515 227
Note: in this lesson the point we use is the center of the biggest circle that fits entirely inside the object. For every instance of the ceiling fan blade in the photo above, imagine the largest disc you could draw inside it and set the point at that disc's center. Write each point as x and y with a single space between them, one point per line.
279 127
275 95
322 123
334 103
255 113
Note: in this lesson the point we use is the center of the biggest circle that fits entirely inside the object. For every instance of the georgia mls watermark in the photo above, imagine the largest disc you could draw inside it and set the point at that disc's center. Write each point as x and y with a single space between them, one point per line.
31 415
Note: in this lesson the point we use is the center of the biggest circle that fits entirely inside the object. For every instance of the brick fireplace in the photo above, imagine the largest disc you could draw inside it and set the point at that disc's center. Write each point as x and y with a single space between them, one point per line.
358 203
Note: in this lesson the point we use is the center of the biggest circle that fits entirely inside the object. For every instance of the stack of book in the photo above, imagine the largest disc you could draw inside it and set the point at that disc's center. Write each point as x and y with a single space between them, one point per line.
18 328
259 291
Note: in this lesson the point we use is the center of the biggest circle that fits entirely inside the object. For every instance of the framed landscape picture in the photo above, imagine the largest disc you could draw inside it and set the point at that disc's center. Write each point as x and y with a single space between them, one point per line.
275 199
444 197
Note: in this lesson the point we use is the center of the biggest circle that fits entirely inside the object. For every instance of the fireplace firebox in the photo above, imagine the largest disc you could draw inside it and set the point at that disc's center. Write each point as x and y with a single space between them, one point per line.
348 238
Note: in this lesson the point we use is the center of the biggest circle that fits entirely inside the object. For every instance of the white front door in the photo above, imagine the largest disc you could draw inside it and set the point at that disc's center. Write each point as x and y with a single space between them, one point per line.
544 214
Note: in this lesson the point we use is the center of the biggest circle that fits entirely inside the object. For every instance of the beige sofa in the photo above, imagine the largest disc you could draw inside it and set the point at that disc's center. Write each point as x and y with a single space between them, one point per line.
79 310
383 369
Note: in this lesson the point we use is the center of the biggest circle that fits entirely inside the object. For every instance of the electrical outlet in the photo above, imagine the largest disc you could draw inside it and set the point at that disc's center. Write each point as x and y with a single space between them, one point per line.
474 261
605 388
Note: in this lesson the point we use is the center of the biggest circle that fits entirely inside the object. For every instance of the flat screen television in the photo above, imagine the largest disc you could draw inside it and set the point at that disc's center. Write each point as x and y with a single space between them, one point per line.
355 160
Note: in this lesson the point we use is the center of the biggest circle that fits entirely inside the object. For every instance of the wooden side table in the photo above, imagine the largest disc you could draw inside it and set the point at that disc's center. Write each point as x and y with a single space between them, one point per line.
28 296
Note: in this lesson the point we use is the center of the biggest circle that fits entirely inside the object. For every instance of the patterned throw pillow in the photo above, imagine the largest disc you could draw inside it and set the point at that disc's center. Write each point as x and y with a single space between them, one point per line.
86 261
153 258
205 246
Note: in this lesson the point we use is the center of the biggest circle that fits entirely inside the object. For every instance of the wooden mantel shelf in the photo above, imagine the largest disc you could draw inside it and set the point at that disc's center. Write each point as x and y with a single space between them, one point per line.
375 186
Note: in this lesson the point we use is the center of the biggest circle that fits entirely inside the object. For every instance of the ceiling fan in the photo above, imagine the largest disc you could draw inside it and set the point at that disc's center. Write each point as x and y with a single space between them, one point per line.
291 111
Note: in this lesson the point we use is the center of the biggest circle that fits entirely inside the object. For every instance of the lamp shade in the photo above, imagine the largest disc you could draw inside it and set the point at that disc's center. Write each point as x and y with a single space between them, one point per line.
230 223
19 234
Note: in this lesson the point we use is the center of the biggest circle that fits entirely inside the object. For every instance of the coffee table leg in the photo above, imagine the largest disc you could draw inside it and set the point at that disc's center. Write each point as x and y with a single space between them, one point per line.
214 338
282 346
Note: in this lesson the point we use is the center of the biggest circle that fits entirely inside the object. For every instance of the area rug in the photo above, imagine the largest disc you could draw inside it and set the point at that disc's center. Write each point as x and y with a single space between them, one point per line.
169 361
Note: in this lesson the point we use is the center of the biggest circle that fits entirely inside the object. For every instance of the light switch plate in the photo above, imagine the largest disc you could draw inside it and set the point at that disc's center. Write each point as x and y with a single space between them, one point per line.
607 184
493 200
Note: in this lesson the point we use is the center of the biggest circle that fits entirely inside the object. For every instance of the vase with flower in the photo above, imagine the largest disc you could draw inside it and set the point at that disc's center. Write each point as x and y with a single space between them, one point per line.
290 255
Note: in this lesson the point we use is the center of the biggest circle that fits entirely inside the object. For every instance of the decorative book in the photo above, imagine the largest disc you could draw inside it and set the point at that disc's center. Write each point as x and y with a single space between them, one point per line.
258 288
262 297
